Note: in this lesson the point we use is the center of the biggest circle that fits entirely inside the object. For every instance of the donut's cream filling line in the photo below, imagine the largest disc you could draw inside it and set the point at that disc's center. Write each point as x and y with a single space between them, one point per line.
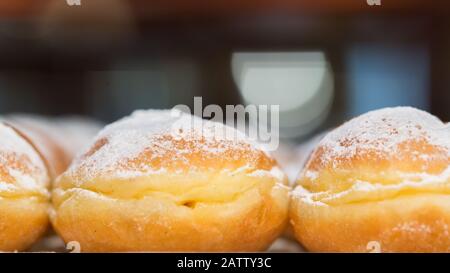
10 192
191 204
24 188
364 191
212 191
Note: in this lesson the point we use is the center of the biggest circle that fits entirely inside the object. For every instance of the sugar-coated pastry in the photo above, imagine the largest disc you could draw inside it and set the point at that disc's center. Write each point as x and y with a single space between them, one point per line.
45 136
166 181
24 197
380 180
59 139
77 132
290 157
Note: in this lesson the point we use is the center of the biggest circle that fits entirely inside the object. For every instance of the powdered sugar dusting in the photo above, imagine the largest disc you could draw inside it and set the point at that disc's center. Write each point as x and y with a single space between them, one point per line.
306 196
311 174
274 172
417 181
21 166
386 134
161 134
381 132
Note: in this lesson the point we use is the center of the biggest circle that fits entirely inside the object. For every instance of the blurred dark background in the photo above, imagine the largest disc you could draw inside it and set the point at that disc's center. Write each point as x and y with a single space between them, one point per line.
323 61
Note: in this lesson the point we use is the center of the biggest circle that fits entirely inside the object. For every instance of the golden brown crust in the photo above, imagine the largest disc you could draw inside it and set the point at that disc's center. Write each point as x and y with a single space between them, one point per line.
202 155
38 133
58 140
22 222
170 189
416 223
23 192
100 223
371 179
